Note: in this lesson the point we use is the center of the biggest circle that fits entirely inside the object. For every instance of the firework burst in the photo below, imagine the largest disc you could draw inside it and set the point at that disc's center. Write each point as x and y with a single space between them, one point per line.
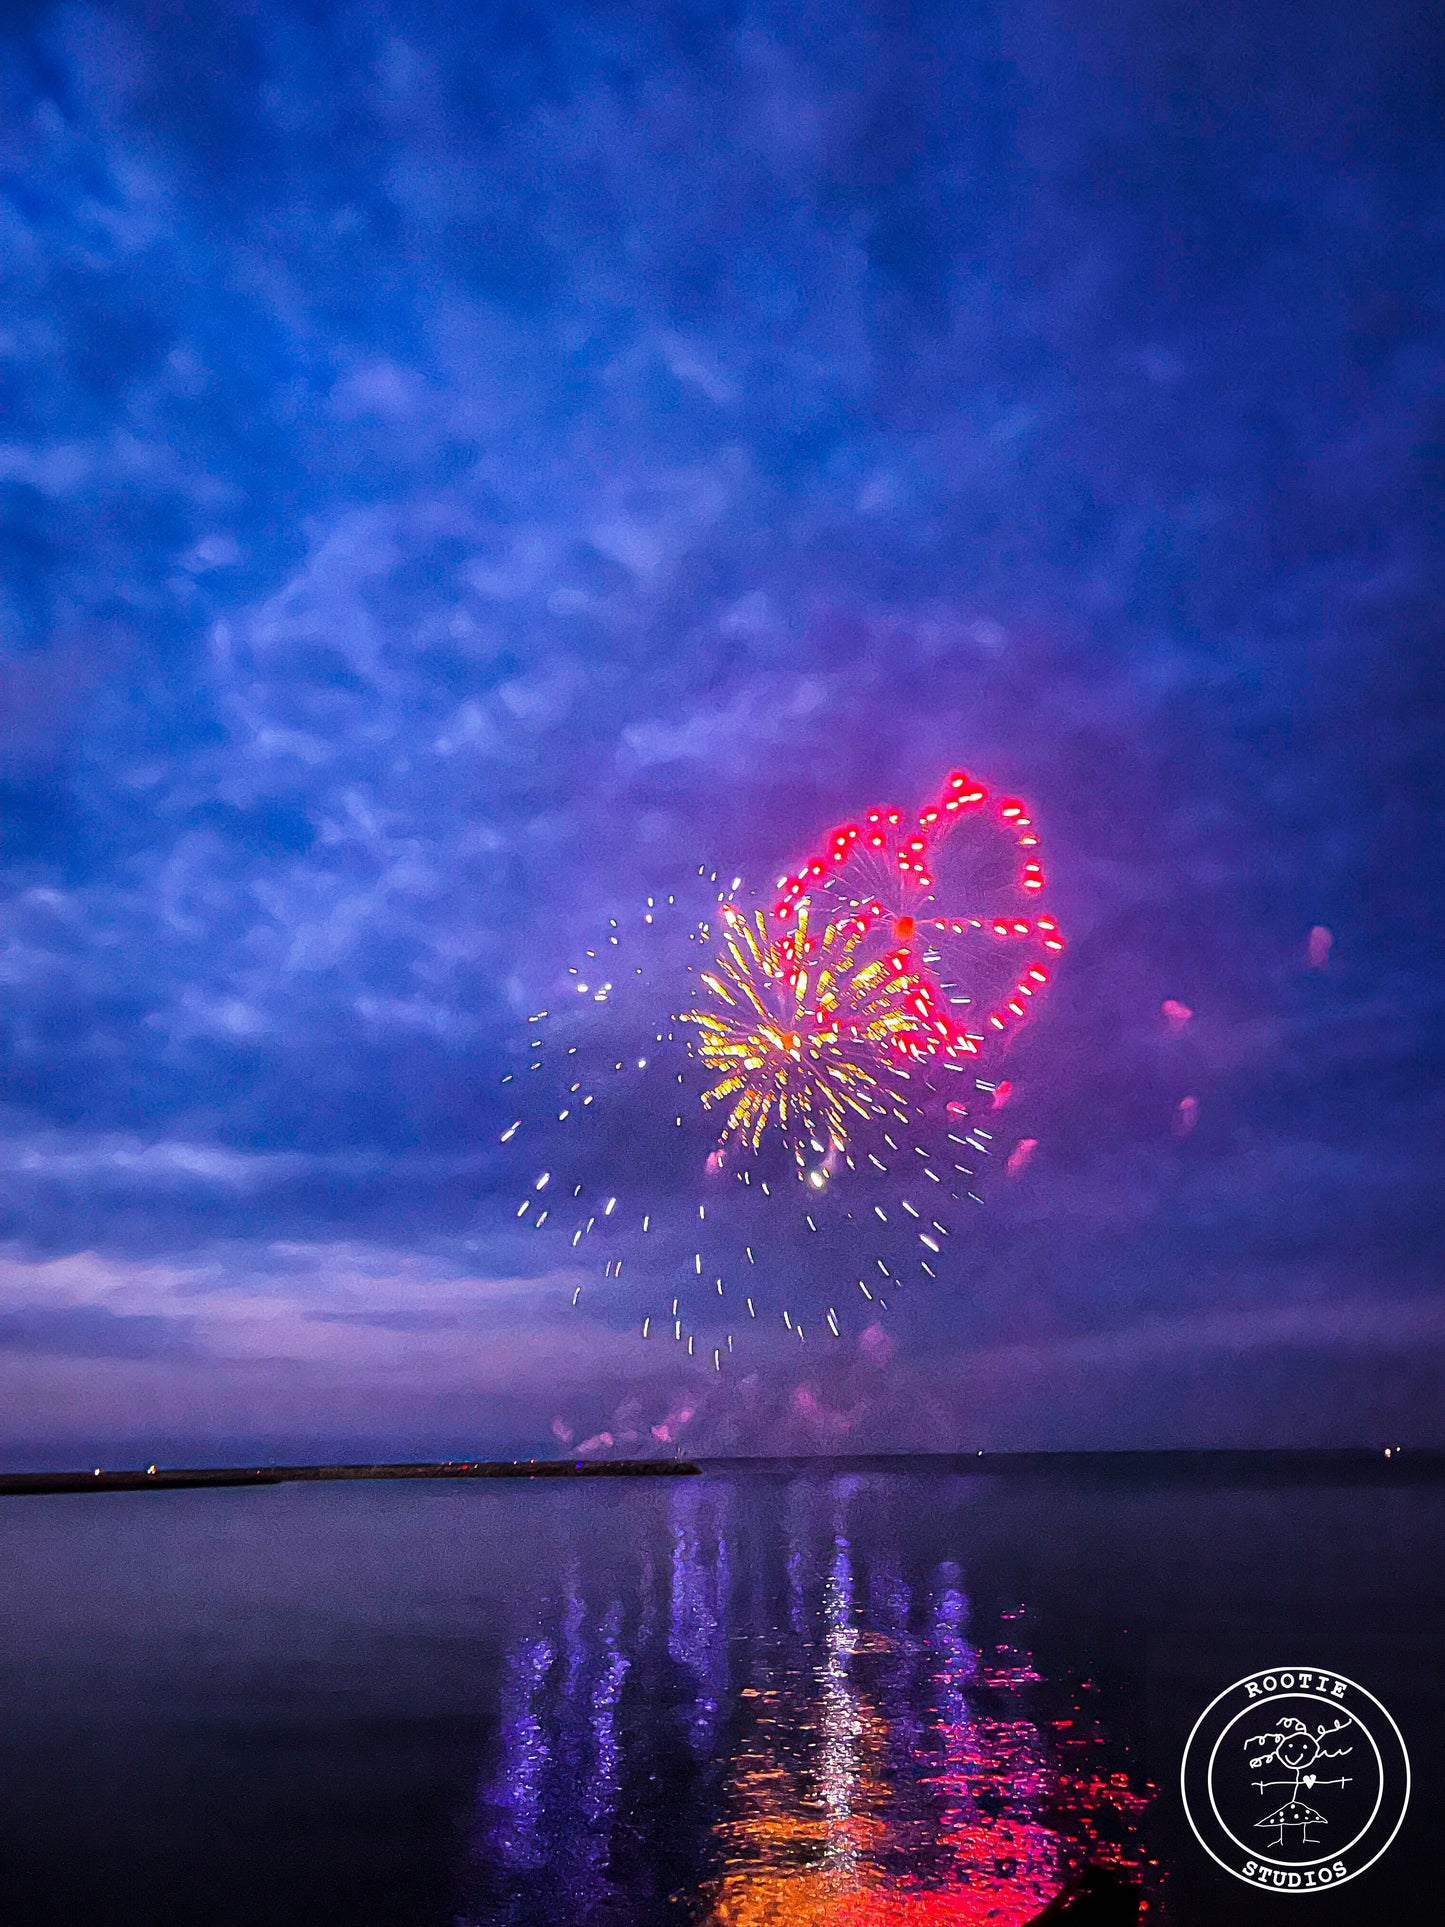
803 1031
954 894
809 1130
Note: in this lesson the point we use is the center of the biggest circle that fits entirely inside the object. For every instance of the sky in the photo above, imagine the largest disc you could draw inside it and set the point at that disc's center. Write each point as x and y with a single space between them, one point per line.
460 466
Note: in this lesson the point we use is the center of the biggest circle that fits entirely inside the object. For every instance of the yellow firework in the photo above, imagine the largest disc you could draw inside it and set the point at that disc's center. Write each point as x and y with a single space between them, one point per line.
801 1033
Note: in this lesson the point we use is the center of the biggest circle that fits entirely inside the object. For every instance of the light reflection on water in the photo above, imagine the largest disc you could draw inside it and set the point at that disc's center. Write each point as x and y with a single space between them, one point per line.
630 1703
801 1723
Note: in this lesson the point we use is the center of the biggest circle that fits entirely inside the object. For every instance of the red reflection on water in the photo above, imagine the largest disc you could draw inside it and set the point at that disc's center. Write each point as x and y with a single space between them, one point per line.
848 1809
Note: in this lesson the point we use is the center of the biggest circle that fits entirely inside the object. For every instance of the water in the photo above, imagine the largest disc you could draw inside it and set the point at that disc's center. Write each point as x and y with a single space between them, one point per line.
825 1699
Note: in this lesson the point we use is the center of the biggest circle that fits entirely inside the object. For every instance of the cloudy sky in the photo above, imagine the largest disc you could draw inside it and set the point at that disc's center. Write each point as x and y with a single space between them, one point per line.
460 464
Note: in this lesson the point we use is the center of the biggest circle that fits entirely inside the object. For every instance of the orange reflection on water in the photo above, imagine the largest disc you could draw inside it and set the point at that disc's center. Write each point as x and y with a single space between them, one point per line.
811 1848
827 1827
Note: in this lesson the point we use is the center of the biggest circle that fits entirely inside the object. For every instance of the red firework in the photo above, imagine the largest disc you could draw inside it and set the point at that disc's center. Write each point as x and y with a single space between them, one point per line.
953 894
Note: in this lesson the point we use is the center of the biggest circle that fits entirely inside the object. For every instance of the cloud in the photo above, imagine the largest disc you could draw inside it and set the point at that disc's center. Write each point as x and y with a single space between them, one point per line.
282 1338
90 1331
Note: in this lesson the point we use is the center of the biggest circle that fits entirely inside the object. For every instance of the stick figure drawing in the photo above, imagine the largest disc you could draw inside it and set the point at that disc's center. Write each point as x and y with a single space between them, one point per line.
1297 1752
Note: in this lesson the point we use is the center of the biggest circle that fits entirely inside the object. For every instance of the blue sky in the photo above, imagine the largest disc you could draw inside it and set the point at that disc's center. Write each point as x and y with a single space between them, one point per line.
459 465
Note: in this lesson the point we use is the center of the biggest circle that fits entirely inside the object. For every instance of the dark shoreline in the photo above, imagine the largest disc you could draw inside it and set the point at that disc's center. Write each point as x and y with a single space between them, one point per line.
177 1478
1347 1465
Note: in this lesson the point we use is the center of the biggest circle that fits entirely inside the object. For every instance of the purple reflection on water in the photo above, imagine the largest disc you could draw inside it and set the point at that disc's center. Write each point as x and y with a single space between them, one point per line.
600 1802
700 1602
954 1670
516 1792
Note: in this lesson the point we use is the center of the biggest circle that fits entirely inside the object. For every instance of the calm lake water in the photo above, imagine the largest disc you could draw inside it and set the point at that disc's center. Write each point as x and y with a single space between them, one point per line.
825 1698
